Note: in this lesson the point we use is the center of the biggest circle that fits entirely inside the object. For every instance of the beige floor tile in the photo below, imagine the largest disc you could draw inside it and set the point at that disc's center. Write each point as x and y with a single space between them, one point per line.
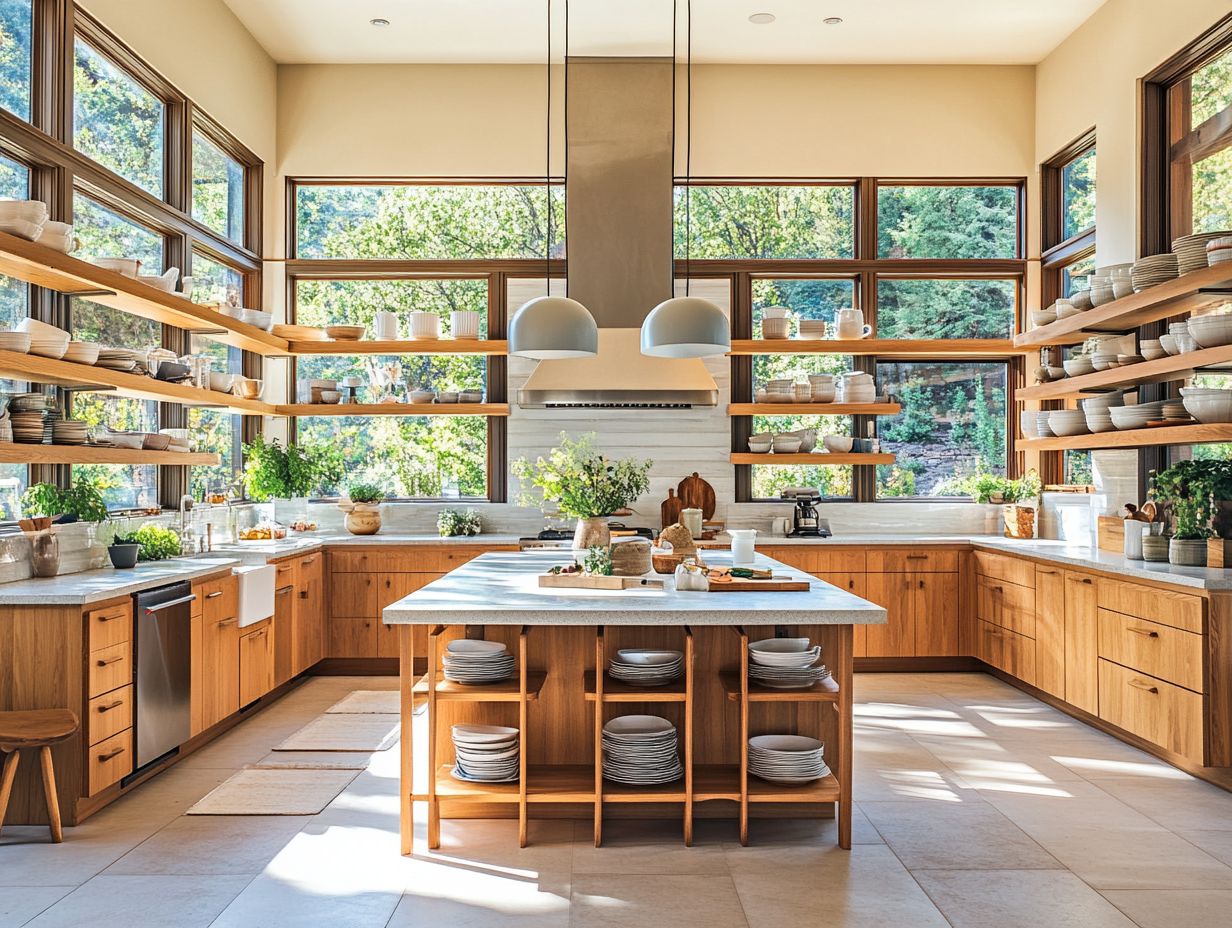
638 901
654 847
19 904
1180 908
1104 757
894 766
463 894
212 844
1018 899
1216 843
1178 805
984 763
145 901
800 832
866 887
28 858
965 835
493 844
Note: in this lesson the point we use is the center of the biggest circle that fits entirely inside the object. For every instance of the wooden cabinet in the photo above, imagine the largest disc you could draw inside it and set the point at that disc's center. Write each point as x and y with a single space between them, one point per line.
1006 604
913 560
854 584
390 589
1006 650
256 662
220 651
1167 607
897 637
109 761
1081 642
934 603
1162 651
1050 630
284 627
109 714
312 635
1154 709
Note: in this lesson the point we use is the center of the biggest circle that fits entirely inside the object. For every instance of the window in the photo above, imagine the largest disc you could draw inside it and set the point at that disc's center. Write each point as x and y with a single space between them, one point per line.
768 221
807 298
215 430
920 308
427 222
955 222
1068 193
1078 194
952 427
217 188
16 55
117 121
14 306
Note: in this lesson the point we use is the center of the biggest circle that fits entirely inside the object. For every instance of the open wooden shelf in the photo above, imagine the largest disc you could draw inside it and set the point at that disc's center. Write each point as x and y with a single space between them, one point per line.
448 787
716 781
560 783
822 691
392 409
1161 370
1196 434
342 347
667 792
1187 293
824 459
824 790
882 347
14 453
45 267
813 409
619 691
505 691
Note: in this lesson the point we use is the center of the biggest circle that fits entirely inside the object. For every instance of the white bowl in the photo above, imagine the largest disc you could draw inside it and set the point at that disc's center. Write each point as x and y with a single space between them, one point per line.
1076 367
1026 422
1043 316
81 352
1068 422
1211 331
126 266
837 444
1103 400
1207 404
645 657
760 445
221 382
41 330
786 443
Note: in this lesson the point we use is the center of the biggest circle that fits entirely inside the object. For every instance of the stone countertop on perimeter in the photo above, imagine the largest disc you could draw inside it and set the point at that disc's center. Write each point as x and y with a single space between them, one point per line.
91 586
315 541
503 589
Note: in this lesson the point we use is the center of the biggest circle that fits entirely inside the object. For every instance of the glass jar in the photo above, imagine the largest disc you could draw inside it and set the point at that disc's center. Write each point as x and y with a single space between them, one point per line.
45 554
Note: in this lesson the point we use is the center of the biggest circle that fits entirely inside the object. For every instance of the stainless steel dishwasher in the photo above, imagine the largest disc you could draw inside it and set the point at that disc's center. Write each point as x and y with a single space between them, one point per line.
163 671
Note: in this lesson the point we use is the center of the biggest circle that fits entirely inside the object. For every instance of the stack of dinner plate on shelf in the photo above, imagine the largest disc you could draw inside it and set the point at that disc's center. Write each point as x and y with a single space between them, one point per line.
485 753
640 750
645 667
470 661
786 663
1156 269
117 359
69 432
15 341
787 758
1190 250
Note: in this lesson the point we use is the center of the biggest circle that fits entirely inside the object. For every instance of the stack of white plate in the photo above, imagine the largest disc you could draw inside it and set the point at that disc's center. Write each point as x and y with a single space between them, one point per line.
1101 289
787 758
1175 411
69 432
471 661
117 359
29 427
15 341
45 340
1190 250
640 750
1147 272
786 663
1042 428
811 328
23 218
645 667
485 753
1135 417
1219 250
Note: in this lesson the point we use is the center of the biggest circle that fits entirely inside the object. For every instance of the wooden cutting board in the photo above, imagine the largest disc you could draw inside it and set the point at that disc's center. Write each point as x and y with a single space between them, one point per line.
776 585
669 510
696 493
597 582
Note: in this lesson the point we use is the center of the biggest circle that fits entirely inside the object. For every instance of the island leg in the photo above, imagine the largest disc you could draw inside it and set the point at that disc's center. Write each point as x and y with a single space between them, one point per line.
845 704
406 706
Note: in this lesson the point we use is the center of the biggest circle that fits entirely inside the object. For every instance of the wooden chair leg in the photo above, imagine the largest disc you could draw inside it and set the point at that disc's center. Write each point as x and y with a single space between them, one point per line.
6 781
49 790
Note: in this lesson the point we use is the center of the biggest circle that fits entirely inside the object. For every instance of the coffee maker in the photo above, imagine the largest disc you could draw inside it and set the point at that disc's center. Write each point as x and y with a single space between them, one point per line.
806 523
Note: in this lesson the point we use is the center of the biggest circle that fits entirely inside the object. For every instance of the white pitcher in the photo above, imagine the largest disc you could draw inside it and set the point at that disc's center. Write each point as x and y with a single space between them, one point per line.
851 324
742 546
385 325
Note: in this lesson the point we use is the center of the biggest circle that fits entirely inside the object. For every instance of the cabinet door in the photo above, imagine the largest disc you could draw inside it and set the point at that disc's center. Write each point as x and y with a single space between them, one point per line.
1081 643
284 632
897 637
311 634
256 664
853 583
220 668
352 594
1050 631
390 589
934 607
196 676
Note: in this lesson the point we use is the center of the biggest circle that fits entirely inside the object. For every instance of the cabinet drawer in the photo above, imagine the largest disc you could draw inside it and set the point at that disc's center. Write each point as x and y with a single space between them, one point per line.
362 562
110 625
1180 610
797 556
284 574
219 599
900 560
1006 604
110 668
110 714
1162 713
1160 650
1004 567
109 761
444 558
1008 651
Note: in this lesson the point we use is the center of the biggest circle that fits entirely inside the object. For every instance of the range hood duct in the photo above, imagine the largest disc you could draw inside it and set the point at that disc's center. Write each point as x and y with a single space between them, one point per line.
619 228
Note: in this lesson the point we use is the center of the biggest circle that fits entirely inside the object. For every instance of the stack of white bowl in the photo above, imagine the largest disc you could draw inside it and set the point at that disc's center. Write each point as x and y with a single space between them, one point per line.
1219 250
1180 335
780 390
1208 404
811 328
468 660
1068 422
1095 408
1101 289
45 340
1104 360
1152 349
1078 364
1210 331
117 359
640 750
786 663
786 443
1042 428
485 753
81 352
1081 300
23 218
822 387
1065 308
646 667
1190 250
776 322
787 758
1135 417
1153 270
856 387
1026 421
1118 276
1041 317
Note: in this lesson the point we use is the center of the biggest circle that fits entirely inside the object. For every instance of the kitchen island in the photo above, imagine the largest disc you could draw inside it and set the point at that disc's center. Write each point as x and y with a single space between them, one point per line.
560 698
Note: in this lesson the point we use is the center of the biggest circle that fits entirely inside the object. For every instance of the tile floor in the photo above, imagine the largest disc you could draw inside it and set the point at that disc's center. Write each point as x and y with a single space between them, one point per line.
976 806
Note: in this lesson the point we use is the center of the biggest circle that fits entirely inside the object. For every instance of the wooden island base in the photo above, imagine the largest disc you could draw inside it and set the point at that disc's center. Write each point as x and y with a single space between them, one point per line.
560 704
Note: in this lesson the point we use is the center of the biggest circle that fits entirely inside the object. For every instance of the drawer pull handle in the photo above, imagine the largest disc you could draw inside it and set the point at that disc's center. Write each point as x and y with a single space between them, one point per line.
213 595
225 622
286 589
1040 570
303 594
1086 580
1145 687
110 706
917 557
103 758
1145 632
109 618
104 661
309 560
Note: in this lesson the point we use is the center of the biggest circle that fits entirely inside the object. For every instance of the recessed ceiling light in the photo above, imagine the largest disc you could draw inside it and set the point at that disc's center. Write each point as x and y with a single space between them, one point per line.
832 20
378 22
762 19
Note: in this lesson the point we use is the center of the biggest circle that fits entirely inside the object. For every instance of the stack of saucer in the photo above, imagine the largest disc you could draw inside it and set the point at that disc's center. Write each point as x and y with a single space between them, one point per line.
811 328
640 750
1190 250
645 667
1147 272
69 432
786 663
470 661
485 753
787 758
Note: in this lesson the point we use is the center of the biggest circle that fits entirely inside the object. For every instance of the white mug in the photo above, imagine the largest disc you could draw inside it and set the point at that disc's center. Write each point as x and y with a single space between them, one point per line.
851 324
386 325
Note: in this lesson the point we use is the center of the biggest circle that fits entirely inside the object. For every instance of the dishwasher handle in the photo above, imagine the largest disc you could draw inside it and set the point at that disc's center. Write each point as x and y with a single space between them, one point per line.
150 610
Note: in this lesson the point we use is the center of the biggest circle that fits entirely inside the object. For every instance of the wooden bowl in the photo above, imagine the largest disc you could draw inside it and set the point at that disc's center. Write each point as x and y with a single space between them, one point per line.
665 563
347 333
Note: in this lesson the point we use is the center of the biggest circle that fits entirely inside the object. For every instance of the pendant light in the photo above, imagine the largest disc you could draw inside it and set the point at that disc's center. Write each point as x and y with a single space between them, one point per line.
550 327
688 326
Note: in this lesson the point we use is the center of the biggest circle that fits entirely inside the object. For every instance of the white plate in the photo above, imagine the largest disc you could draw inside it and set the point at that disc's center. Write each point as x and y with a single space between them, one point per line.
482 734
638 726
647 657
475 646
785 743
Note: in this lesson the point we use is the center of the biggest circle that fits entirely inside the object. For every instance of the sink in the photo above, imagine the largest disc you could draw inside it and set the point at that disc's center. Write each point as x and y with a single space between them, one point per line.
256 583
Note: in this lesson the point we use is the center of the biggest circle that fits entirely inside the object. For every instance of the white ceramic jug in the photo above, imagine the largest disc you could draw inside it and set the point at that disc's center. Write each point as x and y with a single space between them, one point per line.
742 546
385 325
851 324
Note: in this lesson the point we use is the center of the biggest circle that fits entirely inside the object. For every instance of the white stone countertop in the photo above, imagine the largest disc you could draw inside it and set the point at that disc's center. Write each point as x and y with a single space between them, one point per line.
91 586
502 589
314 541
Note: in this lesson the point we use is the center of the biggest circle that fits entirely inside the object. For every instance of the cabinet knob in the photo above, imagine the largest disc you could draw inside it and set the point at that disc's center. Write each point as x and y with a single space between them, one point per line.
1145 632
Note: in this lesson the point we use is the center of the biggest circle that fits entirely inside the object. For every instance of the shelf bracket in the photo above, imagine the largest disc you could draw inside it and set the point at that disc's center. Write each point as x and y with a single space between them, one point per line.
86 294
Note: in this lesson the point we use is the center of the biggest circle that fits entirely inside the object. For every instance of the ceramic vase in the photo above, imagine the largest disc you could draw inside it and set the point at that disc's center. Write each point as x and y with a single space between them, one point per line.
45 554
363 518
1187 552
591 533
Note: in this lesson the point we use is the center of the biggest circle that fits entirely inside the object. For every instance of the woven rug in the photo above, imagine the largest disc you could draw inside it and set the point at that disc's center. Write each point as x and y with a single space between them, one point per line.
368 701
315 760
274 792
337 732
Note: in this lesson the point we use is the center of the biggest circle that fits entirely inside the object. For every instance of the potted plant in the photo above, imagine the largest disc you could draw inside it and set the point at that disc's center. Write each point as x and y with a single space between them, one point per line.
362 506
274 472
452 522
124 551
157 543
1020 518
584 484
1196 496
82 501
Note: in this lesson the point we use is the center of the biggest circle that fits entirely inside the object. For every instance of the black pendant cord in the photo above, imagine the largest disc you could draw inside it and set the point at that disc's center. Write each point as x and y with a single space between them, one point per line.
565 202
547 167
671 254
688 149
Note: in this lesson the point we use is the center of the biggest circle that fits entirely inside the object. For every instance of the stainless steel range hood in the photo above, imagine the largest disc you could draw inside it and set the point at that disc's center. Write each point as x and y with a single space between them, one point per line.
619 228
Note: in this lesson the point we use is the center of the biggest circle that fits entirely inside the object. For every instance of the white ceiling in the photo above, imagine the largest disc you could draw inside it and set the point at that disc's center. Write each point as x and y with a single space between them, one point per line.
470 31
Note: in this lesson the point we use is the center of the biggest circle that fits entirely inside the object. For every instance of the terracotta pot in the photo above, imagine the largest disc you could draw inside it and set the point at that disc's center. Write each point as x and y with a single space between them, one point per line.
1019 521
1155 548
591 533
363 519
1187 552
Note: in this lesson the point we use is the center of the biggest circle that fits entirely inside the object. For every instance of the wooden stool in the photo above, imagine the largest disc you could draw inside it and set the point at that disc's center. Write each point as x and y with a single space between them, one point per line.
34 728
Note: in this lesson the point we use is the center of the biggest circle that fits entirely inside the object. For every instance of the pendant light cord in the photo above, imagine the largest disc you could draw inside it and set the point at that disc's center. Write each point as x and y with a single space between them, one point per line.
547 166
565 204
688 148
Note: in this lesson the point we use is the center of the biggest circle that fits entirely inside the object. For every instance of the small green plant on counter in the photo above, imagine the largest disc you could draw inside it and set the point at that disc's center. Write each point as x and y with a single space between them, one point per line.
582 481
451 522
365 493
81 500
157 543
120 539
598 561
1192 491
272 471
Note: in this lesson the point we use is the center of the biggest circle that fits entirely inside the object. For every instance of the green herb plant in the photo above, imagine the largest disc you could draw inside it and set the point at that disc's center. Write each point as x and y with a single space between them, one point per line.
272 471
82 499
580 480
452 522
598 561
1192 492
365 493
157 543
